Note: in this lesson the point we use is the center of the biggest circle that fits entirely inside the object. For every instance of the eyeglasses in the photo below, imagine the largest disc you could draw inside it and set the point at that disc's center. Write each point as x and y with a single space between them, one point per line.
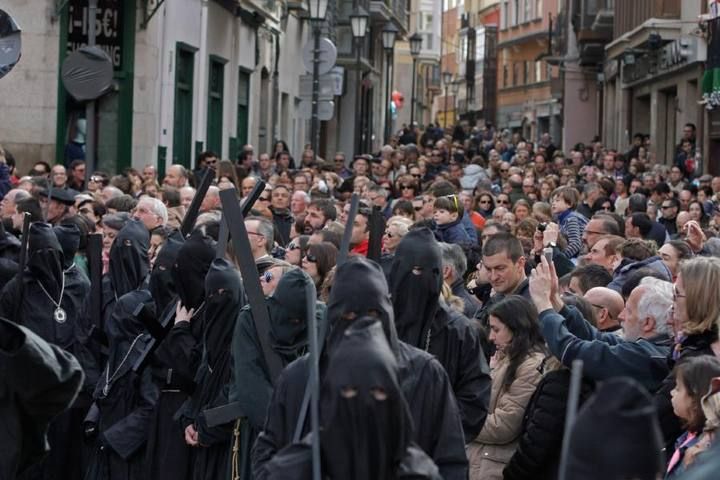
505 202
485 202
311 258
291 246
417 209
504 170
455 201
96 179
390 235
264 199
407 187
664 207
267 277
416 175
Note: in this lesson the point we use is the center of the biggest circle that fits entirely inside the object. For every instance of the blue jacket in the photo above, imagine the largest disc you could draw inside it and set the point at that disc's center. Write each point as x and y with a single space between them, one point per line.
470 228
623 272
605 355
453 233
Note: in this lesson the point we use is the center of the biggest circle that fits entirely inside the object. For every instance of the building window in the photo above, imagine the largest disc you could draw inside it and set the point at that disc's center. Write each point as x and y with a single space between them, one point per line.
215 105
515 12
506 74
182 119
528 11
538 8
526 73
538 71
516 73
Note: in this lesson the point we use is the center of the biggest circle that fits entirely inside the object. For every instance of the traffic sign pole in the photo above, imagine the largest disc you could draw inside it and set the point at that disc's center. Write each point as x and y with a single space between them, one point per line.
90 107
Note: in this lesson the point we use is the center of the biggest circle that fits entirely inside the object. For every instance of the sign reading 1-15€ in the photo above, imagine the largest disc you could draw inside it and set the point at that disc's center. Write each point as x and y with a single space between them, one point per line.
108 28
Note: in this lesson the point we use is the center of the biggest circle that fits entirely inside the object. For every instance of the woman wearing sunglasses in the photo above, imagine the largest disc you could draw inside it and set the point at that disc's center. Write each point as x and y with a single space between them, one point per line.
318 261
295 251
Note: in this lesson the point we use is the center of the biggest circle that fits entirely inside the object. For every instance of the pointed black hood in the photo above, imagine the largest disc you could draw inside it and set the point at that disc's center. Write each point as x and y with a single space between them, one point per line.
287 307
415 284
69 238
45 258
225 297
129 261
162 283
192 264
359 289
366 423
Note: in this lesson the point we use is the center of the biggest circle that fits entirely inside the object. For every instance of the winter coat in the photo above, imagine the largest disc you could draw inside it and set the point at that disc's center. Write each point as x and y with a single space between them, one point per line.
538 453
453 232
572 225
492 449
623 272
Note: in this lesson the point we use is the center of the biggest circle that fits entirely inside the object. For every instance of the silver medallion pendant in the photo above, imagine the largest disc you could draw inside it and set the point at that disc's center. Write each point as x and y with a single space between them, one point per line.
60 316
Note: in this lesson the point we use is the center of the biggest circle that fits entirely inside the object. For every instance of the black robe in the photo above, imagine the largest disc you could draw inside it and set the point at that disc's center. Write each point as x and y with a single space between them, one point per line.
162 283
9 256
426 323
124 398
225 298
360 289
24 300
175 362
129 267
251 383
365 424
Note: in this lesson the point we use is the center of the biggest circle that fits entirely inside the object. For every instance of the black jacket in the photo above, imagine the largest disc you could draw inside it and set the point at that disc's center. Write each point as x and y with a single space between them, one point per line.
692 346
538 452
283 221
37 381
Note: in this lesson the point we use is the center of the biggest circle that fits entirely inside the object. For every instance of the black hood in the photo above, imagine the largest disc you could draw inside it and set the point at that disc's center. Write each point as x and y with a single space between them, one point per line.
415 284
358 290
162 283
621 414
287 307
69 238
129 262
124 328
366 424
192 264
45 258
225 298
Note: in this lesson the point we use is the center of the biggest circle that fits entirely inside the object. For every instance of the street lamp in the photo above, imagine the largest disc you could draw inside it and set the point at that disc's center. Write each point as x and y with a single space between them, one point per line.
318 9
415 47
359 22
389 35
447 78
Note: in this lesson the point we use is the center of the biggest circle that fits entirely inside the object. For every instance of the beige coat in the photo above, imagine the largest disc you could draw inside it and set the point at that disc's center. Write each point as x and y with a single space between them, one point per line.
491 450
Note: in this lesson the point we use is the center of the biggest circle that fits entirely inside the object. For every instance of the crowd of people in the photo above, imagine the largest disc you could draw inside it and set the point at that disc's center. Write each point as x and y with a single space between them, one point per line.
447 334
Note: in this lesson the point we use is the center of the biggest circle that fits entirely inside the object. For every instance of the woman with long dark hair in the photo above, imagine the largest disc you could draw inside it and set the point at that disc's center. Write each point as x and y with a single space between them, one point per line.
516 370
319 260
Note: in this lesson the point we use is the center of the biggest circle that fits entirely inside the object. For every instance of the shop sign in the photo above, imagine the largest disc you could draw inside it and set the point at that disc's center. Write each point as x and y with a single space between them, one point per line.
671 57
108 28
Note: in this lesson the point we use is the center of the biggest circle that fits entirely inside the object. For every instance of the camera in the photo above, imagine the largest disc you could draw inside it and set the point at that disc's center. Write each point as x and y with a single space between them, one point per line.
541 227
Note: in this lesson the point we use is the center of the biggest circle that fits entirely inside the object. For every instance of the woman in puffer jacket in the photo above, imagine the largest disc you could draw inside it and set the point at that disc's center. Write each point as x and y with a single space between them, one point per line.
516 370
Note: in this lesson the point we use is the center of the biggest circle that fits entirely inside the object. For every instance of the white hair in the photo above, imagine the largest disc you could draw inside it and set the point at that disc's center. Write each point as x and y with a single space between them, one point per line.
157 208
656 302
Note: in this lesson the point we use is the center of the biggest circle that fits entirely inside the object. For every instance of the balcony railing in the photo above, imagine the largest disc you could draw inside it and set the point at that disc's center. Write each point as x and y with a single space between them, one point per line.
593 20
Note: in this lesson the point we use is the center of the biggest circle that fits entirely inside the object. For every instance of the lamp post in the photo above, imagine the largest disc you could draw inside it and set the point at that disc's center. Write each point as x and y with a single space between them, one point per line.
447 78
415 47
359 22
318 9
389 35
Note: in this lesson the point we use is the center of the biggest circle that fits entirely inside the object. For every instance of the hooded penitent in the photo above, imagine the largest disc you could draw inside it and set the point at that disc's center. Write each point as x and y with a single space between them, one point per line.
366 425
287 307
124 331
225 298
69 238
616 435
192 264
45 258
359 289
129 262
415 284
162 283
